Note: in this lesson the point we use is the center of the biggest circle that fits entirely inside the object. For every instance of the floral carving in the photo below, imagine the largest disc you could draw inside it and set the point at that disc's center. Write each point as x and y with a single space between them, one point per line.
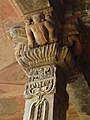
42 81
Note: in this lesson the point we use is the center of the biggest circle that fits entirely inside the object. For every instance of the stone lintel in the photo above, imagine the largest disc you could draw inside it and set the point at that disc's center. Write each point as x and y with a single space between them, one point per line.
24 7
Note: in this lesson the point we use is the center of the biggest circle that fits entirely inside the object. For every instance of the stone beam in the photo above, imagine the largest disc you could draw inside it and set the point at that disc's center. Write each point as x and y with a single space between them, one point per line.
28 6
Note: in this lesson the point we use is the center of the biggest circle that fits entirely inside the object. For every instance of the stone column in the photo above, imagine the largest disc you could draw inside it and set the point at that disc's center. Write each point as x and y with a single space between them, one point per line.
44 59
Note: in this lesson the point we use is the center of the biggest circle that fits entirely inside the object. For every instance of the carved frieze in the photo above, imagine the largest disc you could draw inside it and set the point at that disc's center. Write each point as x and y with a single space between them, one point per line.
42 81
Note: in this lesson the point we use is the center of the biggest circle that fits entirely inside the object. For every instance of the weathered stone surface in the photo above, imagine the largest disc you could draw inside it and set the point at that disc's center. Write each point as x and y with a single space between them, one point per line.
11 93
72 112
8 75
8 61
80 96
11 108
8 18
